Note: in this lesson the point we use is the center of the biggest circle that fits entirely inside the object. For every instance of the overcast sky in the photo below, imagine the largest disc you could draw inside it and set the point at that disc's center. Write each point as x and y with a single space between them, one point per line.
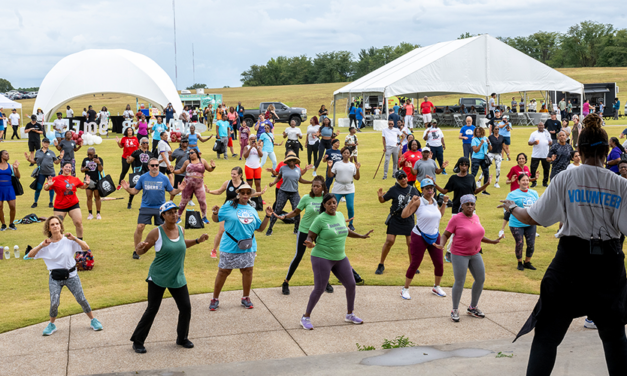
229 36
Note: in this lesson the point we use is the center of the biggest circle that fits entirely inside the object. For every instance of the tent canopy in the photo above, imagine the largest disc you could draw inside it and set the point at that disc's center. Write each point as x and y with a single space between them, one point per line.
480 65
106 71
7 103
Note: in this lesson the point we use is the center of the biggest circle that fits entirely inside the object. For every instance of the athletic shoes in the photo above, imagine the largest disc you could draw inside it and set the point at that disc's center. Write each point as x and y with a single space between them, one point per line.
118 188
475 312
501 233
351 227
90 217
214 254
12 227
537 235
305 322
380 269
191 203
204 219
95 324
455 315
520 266
343 199
588 324
98 217
214 304
405 294
129 206
285 288
496 185
140 349
447 257
437 290
246 303
3 228
444 172
269 232
528 265
353 319
314 174
50 329
234 155
329 288
135 256
485 193
50 205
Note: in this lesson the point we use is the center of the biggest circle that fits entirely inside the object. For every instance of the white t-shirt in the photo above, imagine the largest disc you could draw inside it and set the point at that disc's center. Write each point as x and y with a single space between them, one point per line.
128 114
60 255
84 113
377 111
293 133
434 136
69 113
542 149
312 130
15 119
589 201
391 136
58 125
492 106
428 217
40 118
253 160
571 166
344 173
104 117
161 147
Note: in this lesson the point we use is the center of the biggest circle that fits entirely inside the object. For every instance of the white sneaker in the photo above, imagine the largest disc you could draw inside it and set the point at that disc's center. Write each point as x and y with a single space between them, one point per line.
501 233
589 324
537 235
343 199
314 173
437 290
496 185
90 217
191 203
405 294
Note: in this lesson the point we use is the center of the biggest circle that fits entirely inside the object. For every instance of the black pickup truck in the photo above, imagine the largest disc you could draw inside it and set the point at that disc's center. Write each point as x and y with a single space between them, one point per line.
283 111
479 103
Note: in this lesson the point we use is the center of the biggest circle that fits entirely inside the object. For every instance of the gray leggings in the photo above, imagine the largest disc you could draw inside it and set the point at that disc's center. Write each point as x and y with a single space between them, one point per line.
322 269
75 287
460 265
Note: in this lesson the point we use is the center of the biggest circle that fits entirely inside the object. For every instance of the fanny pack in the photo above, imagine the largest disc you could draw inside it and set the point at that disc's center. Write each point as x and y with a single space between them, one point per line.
244 243
61 274
429 239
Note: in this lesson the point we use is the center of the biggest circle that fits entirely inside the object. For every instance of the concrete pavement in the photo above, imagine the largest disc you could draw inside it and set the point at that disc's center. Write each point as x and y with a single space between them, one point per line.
269 331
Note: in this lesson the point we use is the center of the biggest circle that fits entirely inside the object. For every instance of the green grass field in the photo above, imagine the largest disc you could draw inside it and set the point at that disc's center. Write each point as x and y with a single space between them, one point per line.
117 279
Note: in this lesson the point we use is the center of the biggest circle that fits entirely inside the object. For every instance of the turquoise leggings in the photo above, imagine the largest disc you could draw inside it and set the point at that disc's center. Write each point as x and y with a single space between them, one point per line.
350 203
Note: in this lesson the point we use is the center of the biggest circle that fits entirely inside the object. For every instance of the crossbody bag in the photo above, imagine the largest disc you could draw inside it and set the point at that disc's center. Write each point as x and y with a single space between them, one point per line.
243 244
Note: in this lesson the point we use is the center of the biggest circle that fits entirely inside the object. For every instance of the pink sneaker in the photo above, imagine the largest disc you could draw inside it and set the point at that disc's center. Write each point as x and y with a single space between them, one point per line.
90 217
98 216
214 254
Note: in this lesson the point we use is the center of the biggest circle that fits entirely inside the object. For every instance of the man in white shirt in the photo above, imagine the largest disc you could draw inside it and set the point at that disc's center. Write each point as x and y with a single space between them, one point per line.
59 127
69 113
391 137
14 119
492 105
541 142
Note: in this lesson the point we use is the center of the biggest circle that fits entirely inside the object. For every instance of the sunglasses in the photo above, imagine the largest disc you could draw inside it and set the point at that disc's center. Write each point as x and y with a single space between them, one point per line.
154 165
144 143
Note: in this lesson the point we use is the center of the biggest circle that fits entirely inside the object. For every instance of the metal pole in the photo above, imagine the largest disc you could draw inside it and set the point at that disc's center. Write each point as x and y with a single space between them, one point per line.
334 108
176 74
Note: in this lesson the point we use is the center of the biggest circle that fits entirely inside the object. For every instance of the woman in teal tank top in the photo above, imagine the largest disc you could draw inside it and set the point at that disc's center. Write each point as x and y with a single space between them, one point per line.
166 271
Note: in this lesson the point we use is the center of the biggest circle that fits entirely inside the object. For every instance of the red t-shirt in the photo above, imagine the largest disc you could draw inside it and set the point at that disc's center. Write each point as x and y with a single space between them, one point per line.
425 107
130 144
411 156
65 191
513 176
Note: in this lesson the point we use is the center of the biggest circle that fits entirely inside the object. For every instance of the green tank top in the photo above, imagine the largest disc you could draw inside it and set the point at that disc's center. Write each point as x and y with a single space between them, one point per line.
167 269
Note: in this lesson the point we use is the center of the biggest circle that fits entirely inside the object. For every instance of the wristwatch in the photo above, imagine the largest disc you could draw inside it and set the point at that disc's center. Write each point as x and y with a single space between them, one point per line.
511 208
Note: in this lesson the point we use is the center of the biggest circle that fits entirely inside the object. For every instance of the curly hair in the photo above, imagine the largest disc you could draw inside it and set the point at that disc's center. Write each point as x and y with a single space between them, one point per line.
47 231
593 140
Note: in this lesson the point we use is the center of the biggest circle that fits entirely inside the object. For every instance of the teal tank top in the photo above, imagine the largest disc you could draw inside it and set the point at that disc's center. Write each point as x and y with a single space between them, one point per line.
167 269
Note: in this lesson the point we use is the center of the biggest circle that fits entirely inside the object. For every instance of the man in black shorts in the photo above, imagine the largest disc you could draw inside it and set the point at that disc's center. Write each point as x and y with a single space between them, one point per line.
179 156
34 129
139 162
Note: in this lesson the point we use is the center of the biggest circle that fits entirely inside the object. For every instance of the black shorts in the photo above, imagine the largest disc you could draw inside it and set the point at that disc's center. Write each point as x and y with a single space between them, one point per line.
400 226
147 214
67 210
164 171
178 179
506 215
34 145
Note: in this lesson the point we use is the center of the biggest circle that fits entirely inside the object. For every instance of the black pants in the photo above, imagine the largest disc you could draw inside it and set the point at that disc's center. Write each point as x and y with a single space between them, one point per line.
437 153
298 256
282 198
125 168
313 150
15 133
155 143
545 167
155 296
322 149
353 119
485 170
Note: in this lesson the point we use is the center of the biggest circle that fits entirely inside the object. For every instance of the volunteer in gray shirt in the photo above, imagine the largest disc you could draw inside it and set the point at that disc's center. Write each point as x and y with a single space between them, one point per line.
45 160
426 166
291 175
68 146
587 275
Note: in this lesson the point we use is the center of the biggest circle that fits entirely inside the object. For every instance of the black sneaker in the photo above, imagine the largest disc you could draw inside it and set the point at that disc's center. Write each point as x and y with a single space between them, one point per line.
135 256
529 266
129 206
185 343
140 349
269 232
533 185
329 288
34 205
520 266
418 271
50 205
3 228
32 164
351 227
12 227
485 193
285 288
545 185
295 231
380 269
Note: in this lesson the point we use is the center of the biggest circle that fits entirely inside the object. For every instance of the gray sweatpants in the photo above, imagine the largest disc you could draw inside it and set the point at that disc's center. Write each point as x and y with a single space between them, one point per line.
390 151
75 287
461 264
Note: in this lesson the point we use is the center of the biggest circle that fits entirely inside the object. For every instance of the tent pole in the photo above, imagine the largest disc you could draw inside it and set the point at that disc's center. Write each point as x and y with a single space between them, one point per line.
334 107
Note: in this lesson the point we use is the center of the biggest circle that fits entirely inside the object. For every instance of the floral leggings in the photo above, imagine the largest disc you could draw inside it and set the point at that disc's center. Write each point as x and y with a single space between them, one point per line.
521 234
195 186
75 287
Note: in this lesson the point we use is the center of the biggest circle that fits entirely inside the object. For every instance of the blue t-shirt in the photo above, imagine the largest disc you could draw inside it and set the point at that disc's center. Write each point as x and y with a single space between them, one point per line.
193 139
614 154
333 155
352 110
268 143
396 107
169 113
156 131
223 128
241 223
360 113
523 200
326 131
262 127
154 190
467 131
395 118
484 148
504 131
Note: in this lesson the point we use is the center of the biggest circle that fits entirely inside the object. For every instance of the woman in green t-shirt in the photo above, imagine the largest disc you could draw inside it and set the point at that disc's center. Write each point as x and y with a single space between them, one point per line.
311 205
166 271
329 232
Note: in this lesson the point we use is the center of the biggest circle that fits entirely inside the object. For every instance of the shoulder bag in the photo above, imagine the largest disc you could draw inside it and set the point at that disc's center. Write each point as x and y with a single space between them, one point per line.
17 186
244 243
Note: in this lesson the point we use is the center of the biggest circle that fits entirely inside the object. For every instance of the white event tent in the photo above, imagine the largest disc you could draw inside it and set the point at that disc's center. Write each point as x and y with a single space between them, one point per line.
479 65
106 71
7 103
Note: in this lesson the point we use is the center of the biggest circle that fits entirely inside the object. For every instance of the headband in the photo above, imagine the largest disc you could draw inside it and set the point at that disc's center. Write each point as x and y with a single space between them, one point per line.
468 198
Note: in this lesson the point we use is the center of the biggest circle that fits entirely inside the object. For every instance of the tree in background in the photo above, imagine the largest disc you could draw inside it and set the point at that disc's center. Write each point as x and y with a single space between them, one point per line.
583 44
197 86
614 53
5 85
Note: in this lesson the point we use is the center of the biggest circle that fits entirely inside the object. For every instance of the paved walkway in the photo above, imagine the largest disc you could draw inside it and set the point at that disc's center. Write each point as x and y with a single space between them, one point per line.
269 331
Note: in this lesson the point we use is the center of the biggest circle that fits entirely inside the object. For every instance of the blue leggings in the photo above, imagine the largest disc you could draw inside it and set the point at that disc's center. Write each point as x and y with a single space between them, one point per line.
41 180
350 203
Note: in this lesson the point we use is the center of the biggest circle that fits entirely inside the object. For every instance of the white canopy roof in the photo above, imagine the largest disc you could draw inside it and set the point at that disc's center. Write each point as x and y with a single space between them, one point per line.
106 71
480 65
7 103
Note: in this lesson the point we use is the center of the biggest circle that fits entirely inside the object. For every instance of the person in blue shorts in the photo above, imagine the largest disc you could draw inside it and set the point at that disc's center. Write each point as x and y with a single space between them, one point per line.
505 128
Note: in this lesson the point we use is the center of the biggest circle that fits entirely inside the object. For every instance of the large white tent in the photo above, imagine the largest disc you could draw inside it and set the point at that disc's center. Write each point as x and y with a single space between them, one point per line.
7 103
106 71
480 65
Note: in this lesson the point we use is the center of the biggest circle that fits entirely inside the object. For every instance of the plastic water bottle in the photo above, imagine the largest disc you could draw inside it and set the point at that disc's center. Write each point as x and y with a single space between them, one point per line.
7 254
16 251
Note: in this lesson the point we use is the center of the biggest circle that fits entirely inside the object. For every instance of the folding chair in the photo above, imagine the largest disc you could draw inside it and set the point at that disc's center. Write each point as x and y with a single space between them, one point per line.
448 119
513 118
418 123
458 120
526 119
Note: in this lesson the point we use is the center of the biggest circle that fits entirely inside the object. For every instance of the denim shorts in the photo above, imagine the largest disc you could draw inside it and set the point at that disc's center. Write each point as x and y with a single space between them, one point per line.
507 140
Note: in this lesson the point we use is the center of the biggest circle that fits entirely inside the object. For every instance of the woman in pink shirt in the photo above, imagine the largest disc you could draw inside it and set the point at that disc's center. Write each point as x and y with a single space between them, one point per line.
469 234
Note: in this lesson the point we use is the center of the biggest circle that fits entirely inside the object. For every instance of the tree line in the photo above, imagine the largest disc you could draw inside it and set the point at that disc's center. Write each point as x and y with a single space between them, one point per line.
587 44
